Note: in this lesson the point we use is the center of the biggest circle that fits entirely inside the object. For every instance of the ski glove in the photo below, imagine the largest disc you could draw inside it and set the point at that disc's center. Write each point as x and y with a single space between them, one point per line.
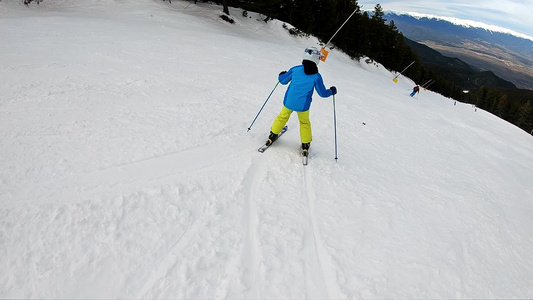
333 90
282 72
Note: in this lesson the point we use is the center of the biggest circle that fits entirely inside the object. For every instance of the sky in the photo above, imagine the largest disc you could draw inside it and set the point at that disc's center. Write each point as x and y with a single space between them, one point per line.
127 170
515 15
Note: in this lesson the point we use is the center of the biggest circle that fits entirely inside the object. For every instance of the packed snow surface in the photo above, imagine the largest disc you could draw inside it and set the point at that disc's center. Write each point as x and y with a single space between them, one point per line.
127 170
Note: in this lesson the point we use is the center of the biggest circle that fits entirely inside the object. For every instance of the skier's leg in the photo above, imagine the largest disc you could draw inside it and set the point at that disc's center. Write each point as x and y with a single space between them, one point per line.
305 127
281 120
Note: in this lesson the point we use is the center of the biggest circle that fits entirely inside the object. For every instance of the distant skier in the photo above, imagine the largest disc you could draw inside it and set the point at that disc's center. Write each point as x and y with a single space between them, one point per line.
304 79
416 89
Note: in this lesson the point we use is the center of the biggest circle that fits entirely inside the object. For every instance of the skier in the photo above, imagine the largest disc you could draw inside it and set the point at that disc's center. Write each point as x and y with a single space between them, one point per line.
416 89
303 80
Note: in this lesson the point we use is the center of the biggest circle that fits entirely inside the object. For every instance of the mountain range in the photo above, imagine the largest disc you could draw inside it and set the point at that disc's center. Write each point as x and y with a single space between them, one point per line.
508 56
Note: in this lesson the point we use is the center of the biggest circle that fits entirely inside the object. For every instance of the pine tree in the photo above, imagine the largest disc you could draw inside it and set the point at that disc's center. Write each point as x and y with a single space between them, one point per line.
378 15
525 117
361 33
482 98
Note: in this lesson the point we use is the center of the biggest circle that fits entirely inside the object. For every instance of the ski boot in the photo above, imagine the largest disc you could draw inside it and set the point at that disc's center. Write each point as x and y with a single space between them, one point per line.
271 138
305 149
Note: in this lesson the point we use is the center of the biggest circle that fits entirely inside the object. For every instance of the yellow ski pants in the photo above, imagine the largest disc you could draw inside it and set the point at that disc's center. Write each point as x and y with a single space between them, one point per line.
303 117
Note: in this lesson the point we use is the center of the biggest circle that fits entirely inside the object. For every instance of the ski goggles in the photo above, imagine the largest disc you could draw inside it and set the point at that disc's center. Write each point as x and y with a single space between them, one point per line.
314 52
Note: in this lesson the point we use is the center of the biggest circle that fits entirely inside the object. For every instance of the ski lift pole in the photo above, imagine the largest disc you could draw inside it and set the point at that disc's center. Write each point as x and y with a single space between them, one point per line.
396 78
250 127
340 28
323 50
428 83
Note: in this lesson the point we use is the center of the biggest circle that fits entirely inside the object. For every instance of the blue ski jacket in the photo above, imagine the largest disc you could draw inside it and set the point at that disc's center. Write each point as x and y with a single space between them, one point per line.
300 91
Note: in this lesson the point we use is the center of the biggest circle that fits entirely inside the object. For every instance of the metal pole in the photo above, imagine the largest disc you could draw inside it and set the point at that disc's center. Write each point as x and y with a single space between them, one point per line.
250 127
405 69
325 46
335 126
425 85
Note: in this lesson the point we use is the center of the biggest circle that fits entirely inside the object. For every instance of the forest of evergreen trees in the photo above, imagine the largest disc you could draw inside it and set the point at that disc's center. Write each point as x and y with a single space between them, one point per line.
512 105
370 35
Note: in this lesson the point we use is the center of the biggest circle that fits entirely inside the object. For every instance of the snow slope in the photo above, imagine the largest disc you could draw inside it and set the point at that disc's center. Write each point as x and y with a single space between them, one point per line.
126 168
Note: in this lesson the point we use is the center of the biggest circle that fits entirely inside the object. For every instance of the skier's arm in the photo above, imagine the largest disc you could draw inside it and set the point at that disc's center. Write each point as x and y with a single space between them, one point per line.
321 89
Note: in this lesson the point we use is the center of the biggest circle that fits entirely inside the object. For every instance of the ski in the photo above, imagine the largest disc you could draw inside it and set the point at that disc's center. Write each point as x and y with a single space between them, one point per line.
265 146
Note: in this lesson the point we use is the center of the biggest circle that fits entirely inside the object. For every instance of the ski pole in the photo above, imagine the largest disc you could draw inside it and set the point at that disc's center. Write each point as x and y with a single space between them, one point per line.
250 127
335 126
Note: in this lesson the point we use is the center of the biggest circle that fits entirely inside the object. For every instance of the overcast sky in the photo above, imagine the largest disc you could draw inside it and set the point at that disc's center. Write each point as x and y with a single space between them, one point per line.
516 15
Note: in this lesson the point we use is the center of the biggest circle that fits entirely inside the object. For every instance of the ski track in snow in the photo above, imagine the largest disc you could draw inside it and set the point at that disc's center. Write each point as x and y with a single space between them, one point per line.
251 255
314 269
317 267
317 256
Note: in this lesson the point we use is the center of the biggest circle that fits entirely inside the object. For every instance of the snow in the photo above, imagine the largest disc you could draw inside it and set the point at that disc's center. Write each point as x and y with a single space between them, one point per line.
127 171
